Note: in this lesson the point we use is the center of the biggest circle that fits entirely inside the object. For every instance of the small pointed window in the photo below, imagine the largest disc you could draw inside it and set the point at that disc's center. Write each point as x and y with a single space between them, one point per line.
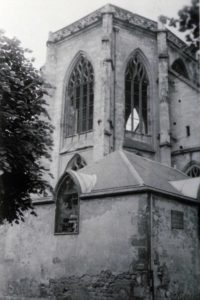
67 207
79 99
193 171
136 96
179 67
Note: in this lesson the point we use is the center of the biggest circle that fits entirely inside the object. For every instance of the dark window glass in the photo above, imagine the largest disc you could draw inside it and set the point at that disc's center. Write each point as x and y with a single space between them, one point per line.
177 221
179 67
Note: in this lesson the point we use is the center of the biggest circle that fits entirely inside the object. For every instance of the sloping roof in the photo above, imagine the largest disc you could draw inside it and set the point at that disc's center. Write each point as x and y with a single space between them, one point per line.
189 187
125 171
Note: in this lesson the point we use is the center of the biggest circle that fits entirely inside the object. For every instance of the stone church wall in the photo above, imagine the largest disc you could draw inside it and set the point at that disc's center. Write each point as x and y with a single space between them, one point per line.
109 258
106 260
121 43
57 73
184 111
176 255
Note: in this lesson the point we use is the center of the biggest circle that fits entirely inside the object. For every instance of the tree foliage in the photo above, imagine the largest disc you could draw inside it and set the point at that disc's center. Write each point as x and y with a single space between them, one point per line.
25 131
188 22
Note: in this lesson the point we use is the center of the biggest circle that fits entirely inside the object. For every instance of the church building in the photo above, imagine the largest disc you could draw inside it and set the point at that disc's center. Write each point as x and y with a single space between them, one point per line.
124 220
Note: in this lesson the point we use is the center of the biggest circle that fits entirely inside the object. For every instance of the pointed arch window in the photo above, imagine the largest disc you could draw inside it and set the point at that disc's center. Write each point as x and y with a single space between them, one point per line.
136 96
80 98
193 171
67 206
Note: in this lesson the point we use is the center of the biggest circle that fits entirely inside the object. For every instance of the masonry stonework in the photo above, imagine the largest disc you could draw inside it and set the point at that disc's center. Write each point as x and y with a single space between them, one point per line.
131 181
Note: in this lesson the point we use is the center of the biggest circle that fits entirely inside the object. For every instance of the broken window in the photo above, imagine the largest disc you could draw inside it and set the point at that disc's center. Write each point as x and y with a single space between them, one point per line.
177 221
136 96
79 98
67 207
179 67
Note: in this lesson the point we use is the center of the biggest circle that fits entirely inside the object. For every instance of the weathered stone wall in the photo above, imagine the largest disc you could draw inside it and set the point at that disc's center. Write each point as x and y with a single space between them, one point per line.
175 252
61 58
184 111
108 46
108 259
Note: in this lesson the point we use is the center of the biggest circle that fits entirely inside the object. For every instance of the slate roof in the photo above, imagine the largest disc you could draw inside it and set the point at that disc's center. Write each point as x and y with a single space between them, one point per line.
126 171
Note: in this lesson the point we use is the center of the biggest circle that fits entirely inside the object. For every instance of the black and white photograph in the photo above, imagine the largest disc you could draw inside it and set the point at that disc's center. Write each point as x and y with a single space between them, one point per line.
99 150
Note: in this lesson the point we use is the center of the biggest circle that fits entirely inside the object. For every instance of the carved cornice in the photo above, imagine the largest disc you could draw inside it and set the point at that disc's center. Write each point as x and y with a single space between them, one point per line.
118 13
179 43
75 27
128 17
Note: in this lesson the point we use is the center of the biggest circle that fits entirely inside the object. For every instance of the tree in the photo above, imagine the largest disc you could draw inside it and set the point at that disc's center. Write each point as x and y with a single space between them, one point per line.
188 22
25 131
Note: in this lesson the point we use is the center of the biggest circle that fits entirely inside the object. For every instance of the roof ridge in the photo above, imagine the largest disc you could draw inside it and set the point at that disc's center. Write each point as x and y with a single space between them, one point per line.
158 162
131 168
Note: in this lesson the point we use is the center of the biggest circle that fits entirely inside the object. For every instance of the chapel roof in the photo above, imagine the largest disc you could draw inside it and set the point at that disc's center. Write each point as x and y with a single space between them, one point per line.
125 171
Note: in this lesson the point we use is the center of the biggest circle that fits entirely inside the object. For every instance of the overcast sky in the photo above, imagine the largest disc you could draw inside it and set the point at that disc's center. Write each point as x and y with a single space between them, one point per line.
31 20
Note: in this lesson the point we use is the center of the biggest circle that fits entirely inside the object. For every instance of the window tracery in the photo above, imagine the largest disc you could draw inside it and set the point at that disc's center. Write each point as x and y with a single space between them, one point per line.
193 171
136 96
80 97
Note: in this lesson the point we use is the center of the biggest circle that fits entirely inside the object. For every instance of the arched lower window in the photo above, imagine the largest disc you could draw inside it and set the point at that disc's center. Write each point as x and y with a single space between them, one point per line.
79 98
67 207
179 67
136 96
193 171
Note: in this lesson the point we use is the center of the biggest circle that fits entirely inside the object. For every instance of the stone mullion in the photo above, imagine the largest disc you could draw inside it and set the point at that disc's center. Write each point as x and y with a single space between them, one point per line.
140 107
132 105
88 101
74 129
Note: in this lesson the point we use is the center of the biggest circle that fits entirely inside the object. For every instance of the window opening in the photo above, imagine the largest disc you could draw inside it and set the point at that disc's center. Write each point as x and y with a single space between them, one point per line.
179 67
188 130
67 208
80 96
136 97
193 171
177 221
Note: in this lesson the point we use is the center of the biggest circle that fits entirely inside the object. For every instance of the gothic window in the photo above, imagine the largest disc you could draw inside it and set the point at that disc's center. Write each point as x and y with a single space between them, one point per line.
179 67
193 171
67 207
79 98
136 96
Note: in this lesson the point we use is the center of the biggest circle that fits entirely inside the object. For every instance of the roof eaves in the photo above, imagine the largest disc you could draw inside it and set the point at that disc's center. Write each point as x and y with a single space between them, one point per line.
137 189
